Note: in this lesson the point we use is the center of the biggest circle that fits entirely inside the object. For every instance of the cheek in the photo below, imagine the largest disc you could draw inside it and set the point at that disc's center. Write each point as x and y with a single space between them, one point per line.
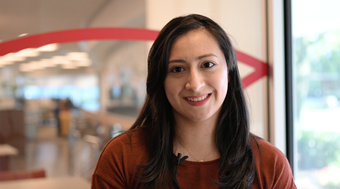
222 86
225 80
170 89
225 90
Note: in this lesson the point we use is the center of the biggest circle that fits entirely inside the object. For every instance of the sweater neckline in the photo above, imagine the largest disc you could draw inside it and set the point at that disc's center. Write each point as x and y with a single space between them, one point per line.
197 162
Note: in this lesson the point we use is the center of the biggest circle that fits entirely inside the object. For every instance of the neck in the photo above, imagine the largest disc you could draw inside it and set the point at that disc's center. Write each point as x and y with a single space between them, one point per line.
196 139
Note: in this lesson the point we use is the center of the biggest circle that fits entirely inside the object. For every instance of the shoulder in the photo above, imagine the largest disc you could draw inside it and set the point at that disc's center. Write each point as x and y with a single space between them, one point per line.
128 139
128 144
265 151
272 167
119 160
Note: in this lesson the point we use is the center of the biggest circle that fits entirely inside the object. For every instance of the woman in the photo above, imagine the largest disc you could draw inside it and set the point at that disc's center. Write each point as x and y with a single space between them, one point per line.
195 106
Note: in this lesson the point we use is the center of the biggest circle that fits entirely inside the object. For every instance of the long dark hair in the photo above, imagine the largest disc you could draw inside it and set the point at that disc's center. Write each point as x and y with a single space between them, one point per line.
237 166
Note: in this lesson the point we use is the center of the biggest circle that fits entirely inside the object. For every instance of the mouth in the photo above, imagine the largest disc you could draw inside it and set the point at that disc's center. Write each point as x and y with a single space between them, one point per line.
198 99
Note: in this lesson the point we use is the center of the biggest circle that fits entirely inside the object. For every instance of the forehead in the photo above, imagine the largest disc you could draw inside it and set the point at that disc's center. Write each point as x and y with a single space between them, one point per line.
195 42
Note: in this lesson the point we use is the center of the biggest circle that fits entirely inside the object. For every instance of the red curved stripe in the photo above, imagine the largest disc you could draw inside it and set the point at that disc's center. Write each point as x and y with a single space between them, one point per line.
133 34
74 35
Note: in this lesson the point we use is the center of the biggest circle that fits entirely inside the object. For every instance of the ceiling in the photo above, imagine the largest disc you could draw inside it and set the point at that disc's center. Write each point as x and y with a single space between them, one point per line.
40 16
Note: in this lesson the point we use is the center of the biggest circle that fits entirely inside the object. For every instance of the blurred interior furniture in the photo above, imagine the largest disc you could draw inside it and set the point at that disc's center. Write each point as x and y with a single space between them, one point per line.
109 119
37 112
22 174
102 125
50 183
12 127
6 151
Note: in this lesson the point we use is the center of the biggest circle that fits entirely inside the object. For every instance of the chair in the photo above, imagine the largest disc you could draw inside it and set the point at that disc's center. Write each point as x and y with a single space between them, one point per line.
22 174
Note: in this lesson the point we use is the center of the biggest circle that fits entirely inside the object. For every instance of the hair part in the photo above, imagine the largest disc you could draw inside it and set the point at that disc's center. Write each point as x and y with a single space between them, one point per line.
237 166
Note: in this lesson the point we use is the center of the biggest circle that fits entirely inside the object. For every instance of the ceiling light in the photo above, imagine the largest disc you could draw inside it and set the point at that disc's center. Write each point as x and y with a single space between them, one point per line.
60 60
69 66
77 56
27 53
48 48
23 34
2 61
26 67
5 63
11 57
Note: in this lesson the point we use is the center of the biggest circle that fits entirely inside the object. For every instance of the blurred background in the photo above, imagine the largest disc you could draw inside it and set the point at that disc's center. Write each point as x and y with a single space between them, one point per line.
316 86
62 101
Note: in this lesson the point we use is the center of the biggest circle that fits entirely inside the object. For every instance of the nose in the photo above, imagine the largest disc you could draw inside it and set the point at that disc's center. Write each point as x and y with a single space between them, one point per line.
195 81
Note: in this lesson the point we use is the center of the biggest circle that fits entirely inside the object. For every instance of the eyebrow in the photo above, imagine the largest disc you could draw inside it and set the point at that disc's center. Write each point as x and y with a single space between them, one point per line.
198 58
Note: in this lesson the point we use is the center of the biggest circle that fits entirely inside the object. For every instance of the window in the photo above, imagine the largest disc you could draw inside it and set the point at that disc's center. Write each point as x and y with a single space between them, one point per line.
316 92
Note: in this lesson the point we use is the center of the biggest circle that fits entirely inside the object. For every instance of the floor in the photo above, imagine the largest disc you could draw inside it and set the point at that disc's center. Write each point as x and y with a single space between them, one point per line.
59 156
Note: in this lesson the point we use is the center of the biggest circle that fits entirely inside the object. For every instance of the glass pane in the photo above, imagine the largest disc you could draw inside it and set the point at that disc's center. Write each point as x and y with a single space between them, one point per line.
316 77
90 52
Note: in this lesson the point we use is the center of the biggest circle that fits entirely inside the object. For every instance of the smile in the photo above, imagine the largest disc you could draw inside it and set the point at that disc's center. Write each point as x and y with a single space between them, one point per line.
197 99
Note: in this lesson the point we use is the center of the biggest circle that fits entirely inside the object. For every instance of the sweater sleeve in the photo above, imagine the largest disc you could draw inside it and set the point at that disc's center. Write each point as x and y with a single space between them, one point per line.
109 172
283 174
272 167
98 182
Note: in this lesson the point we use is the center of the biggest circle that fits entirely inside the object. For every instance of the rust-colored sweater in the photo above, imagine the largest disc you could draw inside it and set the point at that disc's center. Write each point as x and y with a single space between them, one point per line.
117 167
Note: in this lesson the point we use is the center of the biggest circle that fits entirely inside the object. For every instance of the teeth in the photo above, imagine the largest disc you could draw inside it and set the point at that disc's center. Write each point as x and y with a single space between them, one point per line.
198 99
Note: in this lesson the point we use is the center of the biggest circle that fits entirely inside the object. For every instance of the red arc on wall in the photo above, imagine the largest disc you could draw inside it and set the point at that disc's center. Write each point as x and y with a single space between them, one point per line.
131 34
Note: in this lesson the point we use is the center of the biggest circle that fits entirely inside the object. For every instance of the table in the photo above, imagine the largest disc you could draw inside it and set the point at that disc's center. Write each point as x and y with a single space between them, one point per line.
6 151
50 183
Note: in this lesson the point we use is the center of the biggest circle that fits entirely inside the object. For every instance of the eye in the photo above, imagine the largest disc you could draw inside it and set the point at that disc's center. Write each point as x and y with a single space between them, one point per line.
177 69
208 65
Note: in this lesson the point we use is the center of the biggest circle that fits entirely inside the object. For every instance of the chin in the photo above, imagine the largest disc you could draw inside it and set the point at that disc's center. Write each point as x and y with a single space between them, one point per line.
199 118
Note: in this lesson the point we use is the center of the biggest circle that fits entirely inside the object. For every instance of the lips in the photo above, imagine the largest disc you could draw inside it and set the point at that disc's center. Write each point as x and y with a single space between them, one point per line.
197 100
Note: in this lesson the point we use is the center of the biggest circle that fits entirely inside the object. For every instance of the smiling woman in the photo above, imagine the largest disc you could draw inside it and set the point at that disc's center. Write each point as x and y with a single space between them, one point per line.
194 106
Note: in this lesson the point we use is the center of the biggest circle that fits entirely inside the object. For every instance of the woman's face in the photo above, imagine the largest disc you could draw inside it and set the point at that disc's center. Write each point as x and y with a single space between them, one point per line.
197 77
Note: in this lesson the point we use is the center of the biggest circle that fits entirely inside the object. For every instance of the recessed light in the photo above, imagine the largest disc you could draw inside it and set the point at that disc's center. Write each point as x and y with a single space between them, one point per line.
23 34
49 48
10 57
69 66
77 56
28 53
